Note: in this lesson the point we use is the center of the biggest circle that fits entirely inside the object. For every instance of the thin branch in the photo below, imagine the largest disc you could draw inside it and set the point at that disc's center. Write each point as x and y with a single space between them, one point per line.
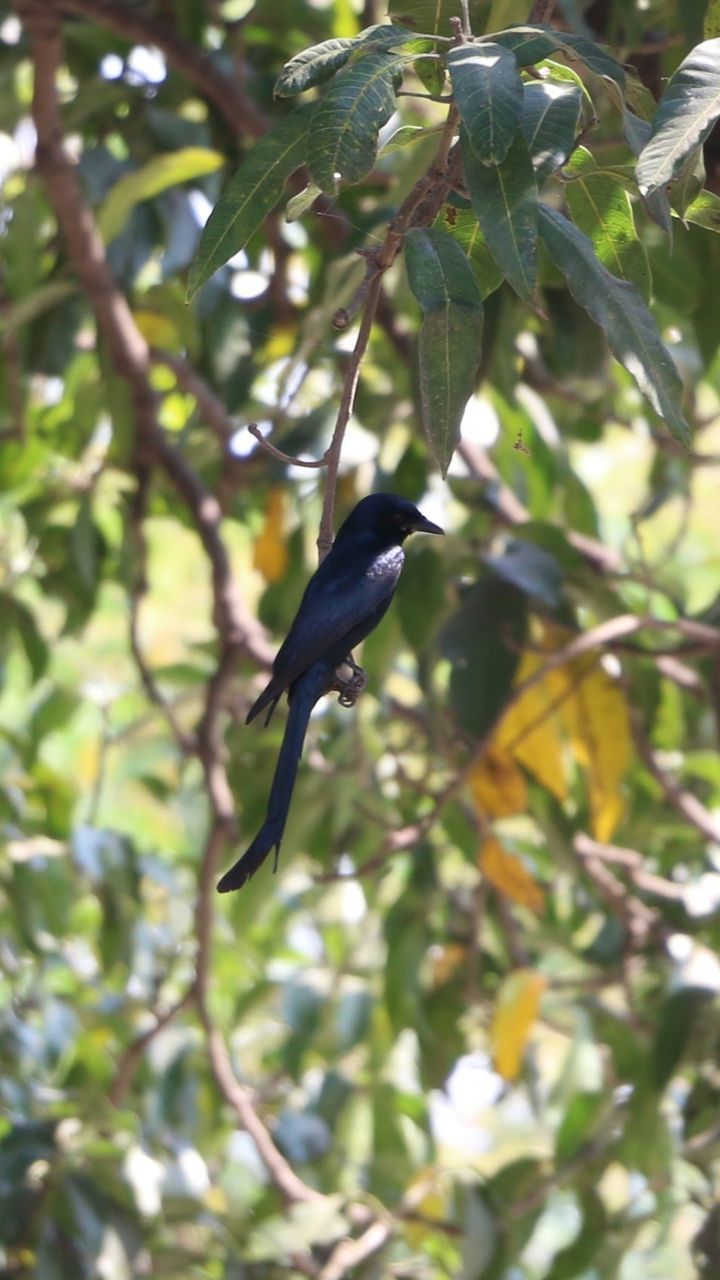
238 110
350 1254
419 208
287 458
689 806
347 400
633 862
131 1058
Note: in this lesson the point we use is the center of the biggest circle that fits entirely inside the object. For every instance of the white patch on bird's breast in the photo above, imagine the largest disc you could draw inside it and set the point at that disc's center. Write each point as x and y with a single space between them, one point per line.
388 564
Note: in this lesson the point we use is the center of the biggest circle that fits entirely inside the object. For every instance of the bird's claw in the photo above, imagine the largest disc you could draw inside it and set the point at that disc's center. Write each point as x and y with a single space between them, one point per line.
349 686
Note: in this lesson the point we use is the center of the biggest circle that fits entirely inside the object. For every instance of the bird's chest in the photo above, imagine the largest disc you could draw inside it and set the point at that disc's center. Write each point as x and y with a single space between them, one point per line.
385 567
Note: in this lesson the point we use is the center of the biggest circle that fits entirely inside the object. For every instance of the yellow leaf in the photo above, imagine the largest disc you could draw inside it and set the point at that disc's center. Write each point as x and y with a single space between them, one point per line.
597 719
508 874
530 730
158 330
270 555
515 1012
497 784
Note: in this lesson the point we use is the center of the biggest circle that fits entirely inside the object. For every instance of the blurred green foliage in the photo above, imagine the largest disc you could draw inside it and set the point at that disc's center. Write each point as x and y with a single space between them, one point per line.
357 992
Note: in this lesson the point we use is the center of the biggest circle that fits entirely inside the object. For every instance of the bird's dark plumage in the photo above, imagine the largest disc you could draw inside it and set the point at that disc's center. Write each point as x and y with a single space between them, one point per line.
343 601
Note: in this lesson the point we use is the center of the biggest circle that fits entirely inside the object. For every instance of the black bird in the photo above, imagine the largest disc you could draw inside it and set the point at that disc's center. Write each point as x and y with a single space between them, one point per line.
343 601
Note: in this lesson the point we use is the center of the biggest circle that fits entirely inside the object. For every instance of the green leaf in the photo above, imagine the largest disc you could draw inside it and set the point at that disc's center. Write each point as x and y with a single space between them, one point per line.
656 204
320 62
689 181
704 211
551 113
685 115
251 194
343 140
483 642
532 44
531 569
302 202
678 1019
601 208
437 270
313 66
157 175
464 228
488 94
504 200
405 136
620 310
449 340
16 615
578 1124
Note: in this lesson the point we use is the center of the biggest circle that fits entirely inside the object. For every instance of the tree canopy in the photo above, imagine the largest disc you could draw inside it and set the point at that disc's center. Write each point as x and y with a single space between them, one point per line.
260 259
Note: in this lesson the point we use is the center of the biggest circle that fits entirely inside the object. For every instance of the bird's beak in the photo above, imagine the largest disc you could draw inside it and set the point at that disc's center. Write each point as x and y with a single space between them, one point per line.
423 525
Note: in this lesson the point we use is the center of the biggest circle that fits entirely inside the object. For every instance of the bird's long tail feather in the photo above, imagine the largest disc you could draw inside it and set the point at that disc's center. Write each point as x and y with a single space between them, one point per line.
306 692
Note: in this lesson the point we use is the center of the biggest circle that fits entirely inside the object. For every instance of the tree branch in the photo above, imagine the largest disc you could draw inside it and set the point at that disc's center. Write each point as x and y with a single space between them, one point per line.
238 110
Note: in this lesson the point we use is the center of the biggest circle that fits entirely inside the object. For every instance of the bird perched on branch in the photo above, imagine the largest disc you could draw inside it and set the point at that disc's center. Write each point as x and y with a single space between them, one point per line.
343 602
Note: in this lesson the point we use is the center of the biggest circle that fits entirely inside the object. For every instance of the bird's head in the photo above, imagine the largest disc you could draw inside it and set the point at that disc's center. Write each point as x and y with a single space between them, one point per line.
388 516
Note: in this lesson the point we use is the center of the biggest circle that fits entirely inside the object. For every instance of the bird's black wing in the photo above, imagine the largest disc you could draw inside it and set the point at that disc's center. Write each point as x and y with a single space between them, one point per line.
337 606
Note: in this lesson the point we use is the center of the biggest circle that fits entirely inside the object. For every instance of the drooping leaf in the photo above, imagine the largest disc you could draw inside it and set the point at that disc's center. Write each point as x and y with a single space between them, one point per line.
504 200
550 120
270 553
686 113
482 642
530 568
689 182
157 175
497 785
508 874
601 208
516 1010
343 140
488 94
319 63
464 228
251 194
18 617
621 312
656 203
678 1019
593 709
530 729
449 340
